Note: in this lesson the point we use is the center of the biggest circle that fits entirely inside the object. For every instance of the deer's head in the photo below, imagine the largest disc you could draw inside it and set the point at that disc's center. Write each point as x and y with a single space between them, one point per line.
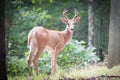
70 23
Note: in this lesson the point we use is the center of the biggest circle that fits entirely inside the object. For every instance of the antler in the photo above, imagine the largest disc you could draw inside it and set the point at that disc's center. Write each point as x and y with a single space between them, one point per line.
64 13
76 13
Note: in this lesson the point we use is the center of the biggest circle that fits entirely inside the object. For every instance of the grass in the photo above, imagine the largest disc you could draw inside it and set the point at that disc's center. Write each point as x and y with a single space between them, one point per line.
41 76
91 71
94 71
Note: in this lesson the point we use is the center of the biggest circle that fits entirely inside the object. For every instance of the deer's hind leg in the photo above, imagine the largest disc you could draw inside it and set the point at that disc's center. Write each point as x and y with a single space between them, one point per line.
30 58
33 48
35 60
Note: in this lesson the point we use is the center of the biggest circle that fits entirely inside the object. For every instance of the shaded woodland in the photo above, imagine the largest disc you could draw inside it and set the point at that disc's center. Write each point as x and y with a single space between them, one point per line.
96 37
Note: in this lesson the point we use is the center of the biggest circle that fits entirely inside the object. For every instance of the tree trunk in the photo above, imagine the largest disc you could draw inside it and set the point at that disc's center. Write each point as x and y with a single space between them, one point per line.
114 34
3 74
90 23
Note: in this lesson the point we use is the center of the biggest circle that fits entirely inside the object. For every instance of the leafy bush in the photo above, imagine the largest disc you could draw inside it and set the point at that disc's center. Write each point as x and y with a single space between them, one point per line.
16 66
76 52
44 63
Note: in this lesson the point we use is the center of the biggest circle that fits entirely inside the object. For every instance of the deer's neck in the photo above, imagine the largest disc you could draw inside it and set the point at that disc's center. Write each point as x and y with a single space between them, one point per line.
67 35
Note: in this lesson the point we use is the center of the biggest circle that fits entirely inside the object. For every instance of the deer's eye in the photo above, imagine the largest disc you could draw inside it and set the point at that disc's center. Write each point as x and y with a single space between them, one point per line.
67 23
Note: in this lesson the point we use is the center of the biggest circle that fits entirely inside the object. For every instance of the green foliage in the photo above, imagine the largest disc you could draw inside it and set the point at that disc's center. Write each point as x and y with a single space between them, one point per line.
76 52
22 22
16 66
44 63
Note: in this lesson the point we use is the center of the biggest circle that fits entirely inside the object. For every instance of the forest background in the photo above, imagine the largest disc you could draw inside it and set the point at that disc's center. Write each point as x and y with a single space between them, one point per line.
23 15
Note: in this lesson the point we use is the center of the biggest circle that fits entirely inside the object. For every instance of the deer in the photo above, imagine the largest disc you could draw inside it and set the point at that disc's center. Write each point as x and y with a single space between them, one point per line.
41 39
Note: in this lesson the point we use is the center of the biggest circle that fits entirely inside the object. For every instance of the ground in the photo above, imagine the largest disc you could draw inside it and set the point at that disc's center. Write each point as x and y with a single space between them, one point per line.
92 72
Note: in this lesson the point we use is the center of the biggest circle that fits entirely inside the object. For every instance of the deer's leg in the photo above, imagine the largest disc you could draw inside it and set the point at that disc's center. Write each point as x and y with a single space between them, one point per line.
33 48
35 60
54 57
30 60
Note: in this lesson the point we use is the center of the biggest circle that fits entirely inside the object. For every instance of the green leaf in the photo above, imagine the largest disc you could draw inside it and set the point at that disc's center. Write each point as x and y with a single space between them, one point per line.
51 1
33 1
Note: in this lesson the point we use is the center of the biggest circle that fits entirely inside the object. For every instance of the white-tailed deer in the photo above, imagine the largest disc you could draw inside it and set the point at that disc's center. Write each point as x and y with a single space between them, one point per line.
41 39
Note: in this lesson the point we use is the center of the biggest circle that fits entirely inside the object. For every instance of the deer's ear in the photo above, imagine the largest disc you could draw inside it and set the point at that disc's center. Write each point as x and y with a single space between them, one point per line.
77 19
64 20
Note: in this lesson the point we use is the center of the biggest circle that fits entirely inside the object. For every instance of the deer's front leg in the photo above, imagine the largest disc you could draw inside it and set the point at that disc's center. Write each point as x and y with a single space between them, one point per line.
54 57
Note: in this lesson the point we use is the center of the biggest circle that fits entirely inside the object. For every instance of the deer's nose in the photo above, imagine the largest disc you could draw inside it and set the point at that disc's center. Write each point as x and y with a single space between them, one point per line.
72 29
